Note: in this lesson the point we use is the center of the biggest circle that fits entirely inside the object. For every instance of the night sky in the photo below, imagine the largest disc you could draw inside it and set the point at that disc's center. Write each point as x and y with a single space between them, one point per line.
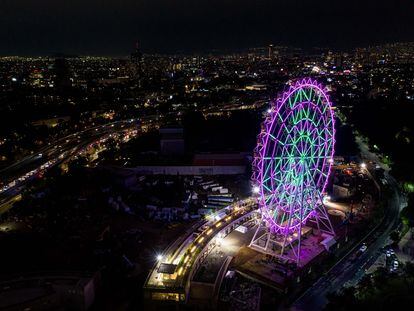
110 27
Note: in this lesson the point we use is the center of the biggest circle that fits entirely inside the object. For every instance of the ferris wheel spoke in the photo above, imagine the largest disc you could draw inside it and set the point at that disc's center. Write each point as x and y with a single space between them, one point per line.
294 157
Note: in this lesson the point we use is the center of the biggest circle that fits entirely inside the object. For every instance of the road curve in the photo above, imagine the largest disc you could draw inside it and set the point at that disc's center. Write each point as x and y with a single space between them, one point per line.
346 270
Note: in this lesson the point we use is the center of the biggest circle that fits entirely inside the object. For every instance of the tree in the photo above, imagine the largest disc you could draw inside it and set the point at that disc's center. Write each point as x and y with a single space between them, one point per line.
344 300
407 214
395 236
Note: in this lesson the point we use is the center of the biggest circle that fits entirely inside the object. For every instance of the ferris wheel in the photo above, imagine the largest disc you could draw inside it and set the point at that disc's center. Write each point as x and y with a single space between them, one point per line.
292 163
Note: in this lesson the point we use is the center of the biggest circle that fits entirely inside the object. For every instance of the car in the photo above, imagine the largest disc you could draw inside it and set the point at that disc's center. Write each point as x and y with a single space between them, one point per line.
363 247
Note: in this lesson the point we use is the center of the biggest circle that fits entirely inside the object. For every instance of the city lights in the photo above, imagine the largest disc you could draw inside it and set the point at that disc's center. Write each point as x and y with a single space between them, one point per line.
196 171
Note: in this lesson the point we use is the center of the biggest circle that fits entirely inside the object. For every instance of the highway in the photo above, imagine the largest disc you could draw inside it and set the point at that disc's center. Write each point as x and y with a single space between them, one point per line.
15 177
350 268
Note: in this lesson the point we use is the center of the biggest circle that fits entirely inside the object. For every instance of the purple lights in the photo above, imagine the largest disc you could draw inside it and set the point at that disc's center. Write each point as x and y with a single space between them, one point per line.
293 159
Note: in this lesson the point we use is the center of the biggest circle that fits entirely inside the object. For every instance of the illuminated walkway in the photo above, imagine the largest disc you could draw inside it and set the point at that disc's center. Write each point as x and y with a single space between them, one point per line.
170 278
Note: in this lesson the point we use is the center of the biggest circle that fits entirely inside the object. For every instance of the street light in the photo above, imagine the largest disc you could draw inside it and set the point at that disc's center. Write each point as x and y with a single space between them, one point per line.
363 165
326 199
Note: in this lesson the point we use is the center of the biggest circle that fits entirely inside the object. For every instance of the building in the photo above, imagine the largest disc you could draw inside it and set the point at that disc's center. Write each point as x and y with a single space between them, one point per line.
61 70
172 141
50 292
270 51
203 163
220 159
137 62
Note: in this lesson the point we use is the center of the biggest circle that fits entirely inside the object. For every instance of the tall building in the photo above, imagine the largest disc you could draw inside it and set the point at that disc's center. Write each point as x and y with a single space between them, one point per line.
61 74
136 55
339 60
270 51
137 61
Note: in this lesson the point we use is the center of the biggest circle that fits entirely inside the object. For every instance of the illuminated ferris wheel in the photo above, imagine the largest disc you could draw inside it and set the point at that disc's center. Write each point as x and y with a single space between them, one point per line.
292 163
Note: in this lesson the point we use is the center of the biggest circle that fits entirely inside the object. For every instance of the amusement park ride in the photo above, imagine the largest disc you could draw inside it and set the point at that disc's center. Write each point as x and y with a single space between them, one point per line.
292 163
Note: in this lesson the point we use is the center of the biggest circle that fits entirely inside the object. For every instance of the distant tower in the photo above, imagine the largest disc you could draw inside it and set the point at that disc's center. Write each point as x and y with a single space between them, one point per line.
137 61
136 55
61 74
339 60
270 51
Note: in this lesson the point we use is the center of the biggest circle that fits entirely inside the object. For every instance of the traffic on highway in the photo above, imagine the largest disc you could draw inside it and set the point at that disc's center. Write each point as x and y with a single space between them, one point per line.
15 177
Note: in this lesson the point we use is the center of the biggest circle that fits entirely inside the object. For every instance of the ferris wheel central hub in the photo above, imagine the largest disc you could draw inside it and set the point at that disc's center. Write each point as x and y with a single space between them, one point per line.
292 163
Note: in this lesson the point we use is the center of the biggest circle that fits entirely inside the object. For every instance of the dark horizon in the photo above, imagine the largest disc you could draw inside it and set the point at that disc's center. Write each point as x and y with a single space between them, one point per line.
189 52
111 27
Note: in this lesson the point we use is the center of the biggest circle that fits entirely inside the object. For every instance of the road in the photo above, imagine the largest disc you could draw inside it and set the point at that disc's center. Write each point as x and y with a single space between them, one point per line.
349 269
15 177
